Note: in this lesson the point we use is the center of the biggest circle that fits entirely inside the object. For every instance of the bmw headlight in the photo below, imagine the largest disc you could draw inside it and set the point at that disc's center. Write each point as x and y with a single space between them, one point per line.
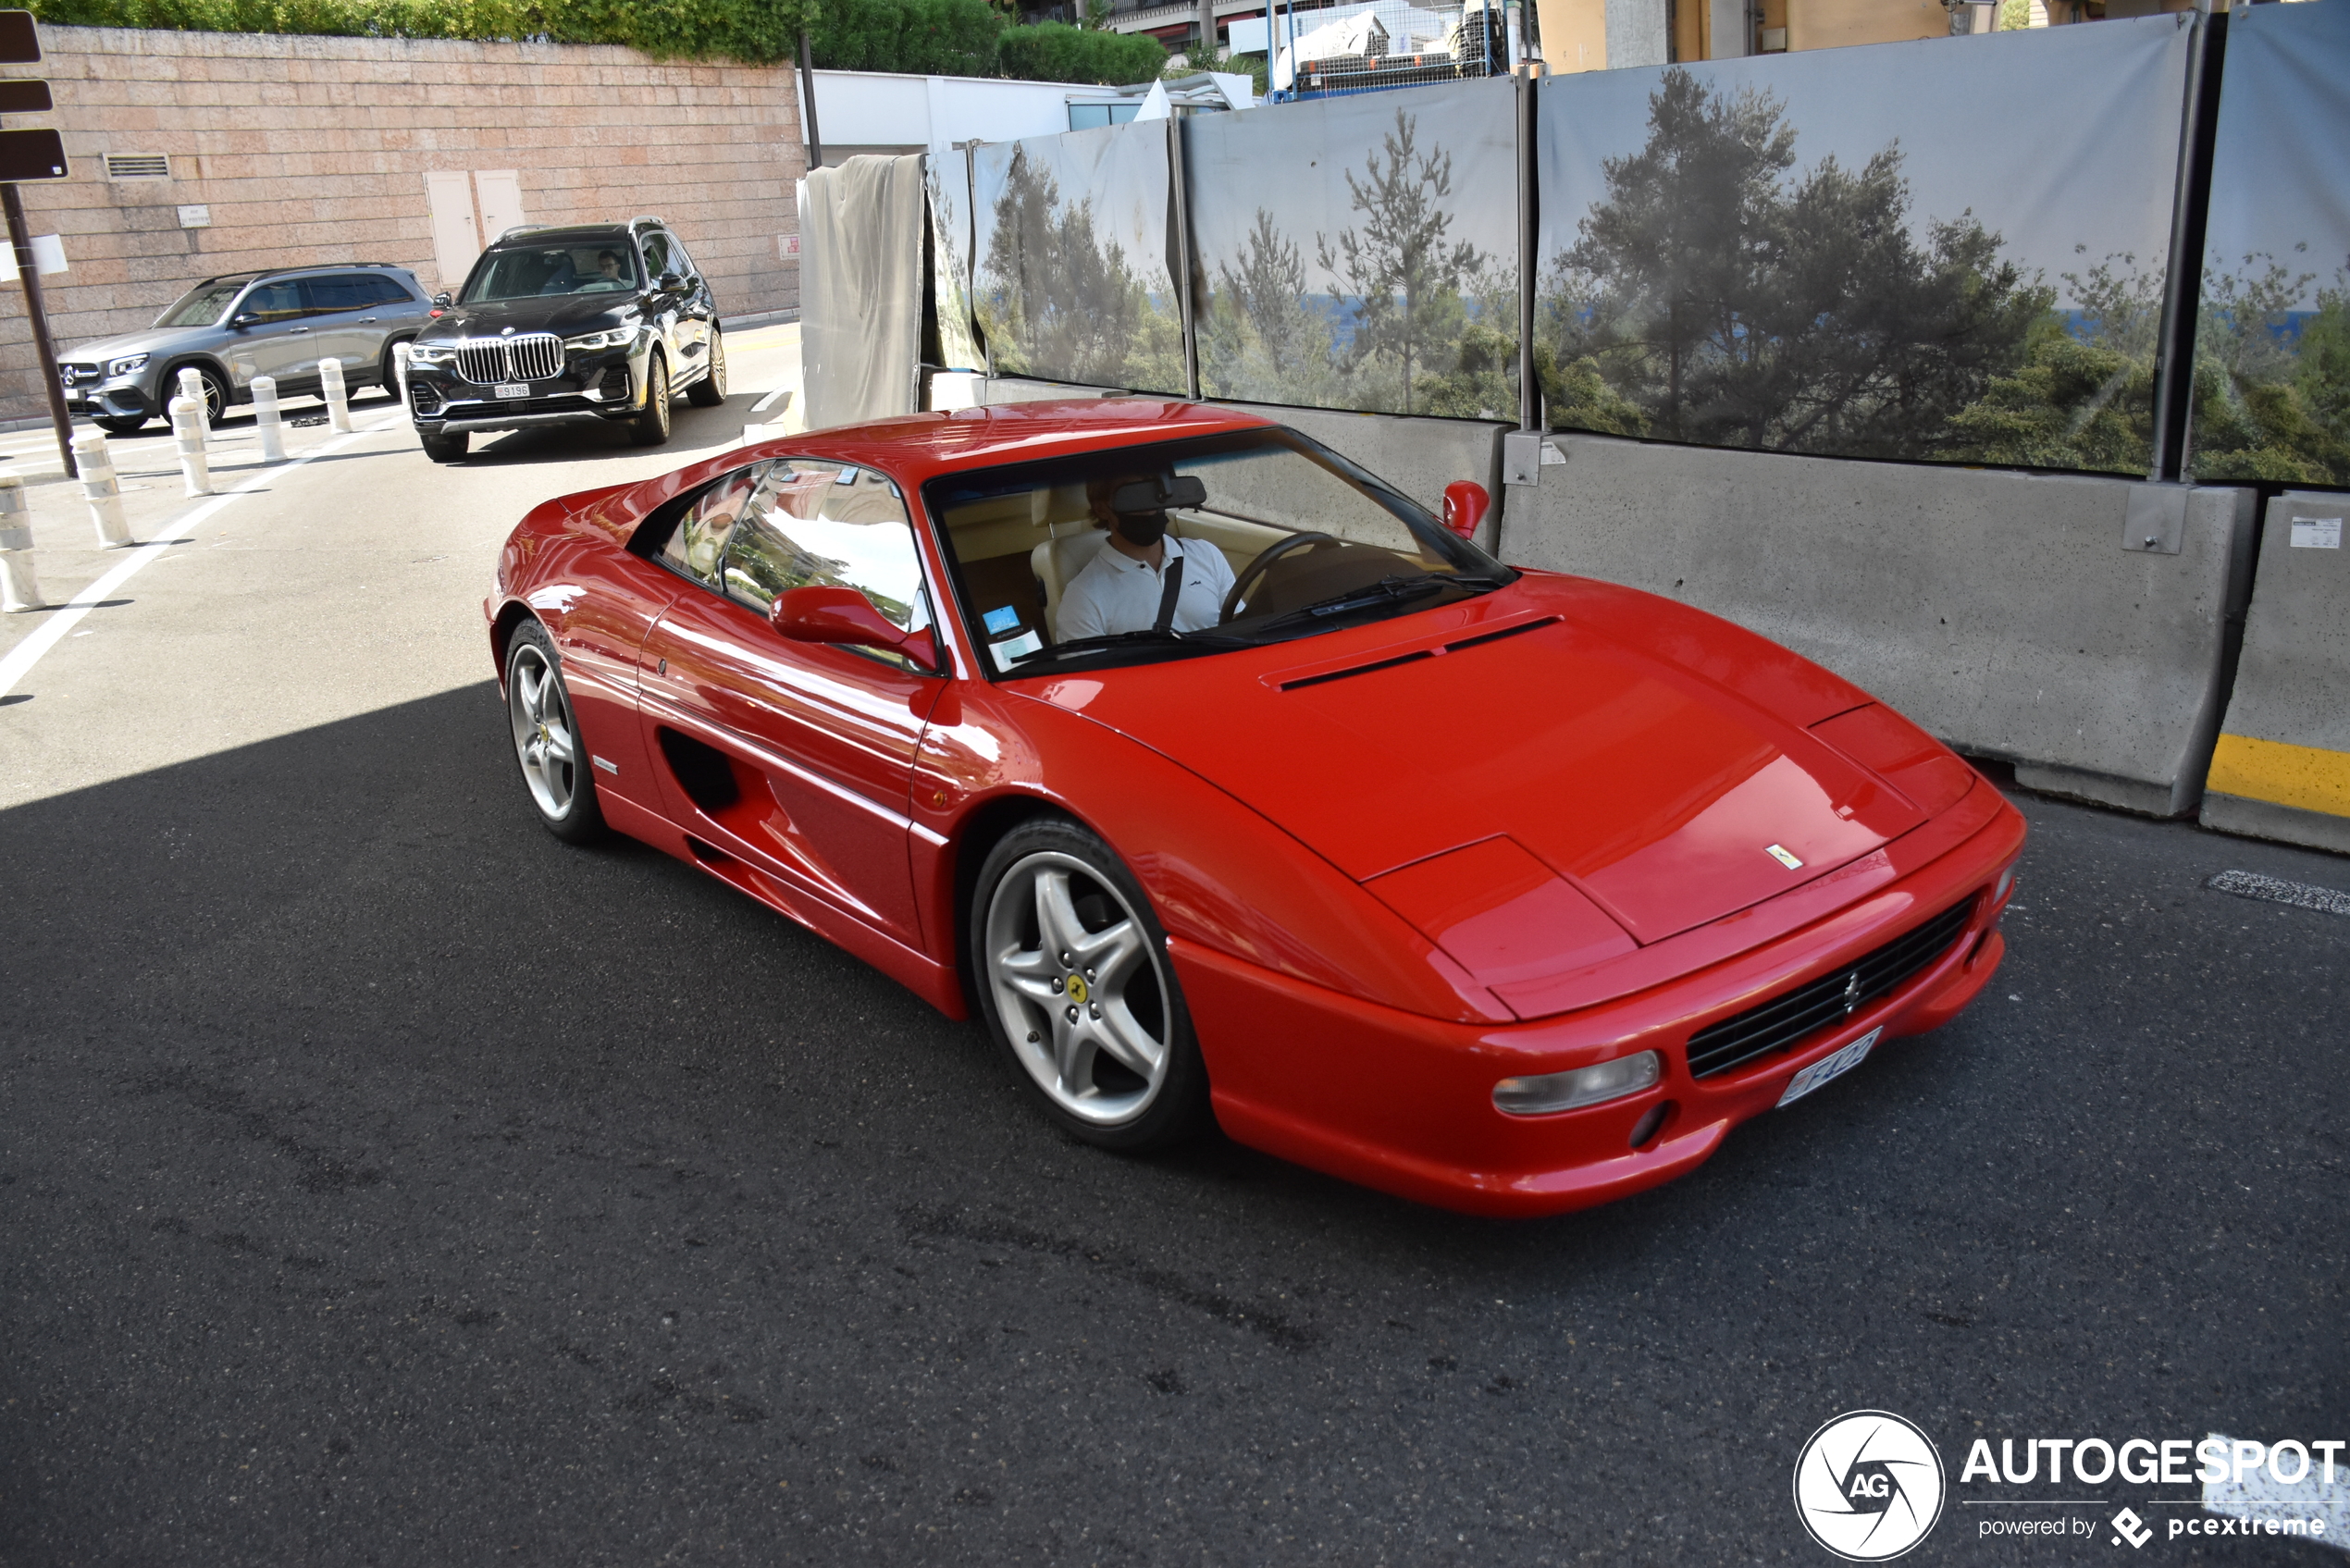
430 354
126 364
590 342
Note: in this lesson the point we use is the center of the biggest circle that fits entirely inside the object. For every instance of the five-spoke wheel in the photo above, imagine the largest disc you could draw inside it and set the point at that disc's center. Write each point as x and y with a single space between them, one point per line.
1077 988
554 764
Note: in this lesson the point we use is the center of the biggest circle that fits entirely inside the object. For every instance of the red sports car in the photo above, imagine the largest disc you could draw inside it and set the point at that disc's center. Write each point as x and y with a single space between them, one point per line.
1222 780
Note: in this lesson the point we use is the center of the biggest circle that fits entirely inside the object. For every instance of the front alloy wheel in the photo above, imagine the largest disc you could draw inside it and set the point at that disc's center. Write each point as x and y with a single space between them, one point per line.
1079 991
554 762
710 390
650 428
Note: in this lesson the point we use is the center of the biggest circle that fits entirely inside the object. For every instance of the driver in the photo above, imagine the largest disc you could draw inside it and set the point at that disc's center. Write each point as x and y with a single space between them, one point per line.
608 265
1124 587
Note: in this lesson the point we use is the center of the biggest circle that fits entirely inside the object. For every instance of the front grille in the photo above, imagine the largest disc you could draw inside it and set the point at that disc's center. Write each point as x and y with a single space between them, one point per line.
1786 1020
79 373
526 356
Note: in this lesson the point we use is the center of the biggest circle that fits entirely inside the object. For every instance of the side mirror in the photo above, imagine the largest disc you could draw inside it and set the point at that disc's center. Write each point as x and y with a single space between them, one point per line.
243 319
847 617
1465 504
669 283
444 299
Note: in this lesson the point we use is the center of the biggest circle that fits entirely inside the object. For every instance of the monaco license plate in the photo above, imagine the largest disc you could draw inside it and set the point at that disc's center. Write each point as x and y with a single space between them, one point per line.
512 388
1833 1066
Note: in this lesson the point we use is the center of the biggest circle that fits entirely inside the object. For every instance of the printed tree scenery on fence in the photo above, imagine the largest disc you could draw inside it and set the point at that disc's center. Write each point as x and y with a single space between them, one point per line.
1889 296
1356 254
945 183
1073 281
2272 339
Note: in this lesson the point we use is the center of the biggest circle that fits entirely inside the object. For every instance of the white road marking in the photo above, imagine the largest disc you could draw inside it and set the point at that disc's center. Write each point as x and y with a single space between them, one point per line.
2273 890
26 654
2262 1496
761 406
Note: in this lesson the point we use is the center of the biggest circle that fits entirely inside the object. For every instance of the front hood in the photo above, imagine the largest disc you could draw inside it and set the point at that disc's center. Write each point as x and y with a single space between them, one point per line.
1666 798
101 350
569 314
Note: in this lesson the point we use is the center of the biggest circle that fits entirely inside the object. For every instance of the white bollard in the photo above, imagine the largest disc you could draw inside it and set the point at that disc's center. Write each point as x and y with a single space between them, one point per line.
94 459
191 386
400 352
187 433
266 419
338 398
18 589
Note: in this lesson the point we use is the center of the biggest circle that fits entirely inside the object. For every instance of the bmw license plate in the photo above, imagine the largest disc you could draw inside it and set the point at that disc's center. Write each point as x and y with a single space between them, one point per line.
1835 1065
514 389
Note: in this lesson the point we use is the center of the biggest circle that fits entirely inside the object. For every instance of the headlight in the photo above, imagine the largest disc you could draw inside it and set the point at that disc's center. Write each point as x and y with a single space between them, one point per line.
2007 881
429 353
589 343
1585 1086
126 364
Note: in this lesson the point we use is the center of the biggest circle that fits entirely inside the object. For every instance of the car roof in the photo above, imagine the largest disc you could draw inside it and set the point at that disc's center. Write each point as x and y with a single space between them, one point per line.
304 271
563 235
921 445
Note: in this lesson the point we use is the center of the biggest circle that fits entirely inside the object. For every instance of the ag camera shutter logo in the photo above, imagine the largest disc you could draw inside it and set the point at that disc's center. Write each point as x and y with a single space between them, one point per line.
1869 1486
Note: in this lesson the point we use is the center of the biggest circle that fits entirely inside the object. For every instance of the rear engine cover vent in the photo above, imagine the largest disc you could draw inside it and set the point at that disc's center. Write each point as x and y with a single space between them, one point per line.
1416 655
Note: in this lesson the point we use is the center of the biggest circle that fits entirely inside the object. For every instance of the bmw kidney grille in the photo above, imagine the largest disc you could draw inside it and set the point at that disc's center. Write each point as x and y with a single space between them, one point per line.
526 356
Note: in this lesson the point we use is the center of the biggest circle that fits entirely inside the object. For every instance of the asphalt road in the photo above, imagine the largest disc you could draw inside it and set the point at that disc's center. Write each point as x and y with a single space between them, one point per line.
383 1181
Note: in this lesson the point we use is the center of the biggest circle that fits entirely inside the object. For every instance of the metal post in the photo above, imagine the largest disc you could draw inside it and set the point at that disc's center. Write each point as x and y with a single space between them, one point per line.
268 420
36 310
2183 289
19 589
808 103
1529 392
100 490
1186 307
330 383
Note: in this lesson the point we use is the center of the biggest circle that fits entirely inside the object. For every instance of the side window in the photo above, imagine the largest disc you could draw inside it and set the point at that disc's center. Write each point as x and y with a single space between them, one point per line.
326 296
657 257
273 301
387 290
825 524
695 545
679 262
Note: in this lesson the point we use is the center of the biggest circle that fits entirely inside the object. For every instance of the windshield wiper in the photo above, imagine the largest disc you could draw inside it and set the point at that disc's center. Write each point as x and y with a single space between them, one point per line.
1150 637
1387 590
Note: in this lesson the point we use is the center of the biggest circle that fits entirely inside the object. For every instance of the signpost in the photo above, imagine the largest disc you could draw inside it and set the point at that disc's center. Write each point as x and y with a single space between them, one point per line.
25 155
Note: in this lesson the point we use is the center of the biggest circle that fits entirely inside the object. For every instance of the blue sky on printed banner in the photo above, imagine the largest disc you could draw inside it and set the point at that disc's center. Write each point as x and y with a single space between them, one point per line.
2056 137
2281 173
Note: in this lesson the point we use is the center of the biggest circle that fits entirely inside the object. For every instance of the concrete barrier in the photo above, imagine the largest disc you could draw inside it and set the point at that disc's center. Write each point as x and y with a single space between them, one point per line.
1419 457
2078 628
2282 768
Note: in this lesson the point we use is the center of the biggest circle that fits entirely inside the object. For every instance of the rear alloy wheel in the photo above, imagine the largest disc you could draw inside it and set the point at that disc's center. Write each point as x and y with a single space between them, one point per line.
650 428
710 390
444 448
554 761
1076 986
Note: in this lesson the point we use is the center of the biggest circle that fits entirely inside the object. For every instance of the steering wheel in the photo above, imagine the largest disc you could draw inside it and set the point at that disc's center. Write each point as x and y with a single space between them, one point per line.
1264 559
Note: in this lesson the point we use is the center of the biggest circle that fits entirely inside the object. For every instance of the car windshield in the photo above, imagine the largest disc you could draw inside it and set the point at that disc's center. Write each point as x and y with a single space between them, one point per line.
202 305
606 266
1282 538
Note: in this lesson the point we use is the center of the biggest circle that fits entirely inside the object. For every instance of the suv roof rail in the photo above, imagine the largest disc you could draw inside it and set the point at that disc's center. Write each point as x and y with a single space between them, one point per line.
526 229
646 218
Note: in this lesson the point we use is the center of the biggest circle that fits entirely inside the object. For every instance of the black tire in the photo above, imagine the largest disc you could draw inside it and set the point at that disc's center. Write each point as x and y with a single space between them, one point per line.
444 448
125 425
1092 1094
539 710
386 367
650 428
710 390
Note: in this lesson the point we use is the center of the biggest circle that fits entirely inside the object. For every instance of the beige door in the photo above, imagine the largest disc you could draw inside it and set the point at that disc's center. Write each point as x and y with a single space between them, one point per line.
499 191
455 238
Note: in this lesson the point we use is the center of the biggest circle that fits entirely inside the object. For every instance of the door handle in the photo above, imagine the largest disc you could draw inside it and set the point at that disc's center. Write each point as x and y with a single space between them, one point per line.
297 328
367 320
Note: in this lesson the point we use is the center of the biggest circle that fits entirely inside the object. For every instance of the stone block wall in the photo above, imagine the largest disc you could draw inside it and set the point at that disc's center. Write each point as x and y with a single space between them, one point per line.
315 150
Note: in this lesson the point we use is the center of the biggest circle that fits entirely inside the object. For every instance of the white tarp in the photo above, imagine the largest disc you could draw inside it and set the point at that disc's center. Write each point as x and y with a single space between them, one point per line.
860 288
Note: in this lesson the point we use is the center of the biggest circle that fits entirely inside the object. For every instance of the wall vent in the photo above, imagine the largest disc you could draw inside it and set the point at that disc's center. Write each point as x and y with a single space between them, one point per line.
137 166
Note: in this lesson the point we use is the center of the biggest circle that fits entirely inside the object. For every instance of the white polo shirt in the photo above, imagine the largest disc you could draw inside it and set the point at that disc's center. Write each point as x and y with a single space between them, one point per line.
1118 593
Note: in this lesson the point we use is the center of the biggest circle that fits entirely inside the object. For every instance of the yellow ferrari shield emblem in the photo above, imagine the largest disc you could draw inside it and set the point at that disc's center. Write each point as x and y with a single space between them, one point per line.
1077 988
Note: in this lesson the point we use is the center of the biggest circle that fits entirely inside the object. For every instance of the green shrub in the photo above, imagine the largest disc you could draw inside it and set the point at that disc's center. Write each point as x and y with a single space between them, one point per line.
1057 51
919 37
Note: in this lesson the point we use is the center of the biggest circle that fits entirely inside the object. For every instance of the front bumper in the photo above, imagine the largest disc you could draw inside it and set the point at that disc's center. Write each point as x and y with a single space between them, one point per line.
1404 1104
123 398
603 388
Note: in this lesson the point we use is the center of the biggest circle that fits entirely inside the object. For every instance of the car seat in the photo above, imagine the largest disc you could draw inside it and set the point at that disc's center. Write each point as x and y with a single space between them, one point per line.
1058 561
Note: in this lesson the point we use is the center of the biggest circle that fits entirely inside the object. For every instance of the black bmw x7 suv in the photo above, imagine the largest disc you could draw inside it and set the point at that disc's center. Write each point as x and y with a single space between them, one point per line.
599 324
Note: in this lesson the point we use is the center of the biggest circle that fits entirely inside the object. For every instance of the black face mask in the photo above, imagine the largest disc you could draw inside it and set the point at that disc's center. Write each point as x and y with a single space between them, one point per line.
1141 529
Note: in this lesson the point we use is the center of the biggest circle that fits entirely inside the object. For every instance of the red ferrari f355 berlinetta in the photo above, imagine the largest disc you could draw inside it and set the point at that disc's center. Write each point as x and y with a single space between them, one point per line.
1223 781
